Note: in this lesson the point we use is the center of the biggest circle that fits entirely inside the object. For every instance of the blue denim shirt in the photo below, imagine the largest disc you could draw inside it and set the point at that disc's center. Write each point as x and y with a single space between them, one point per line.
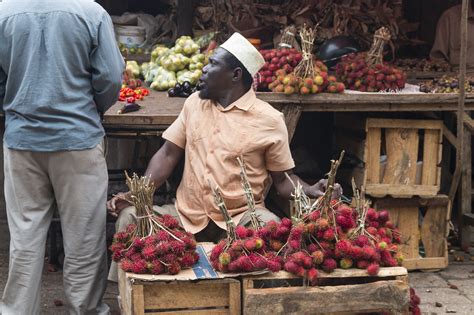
60 67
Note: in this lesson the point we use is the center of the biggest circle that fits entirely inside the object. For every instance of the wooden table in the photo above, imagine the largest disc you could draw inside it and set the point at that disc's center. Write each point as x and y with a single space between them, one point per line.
159 111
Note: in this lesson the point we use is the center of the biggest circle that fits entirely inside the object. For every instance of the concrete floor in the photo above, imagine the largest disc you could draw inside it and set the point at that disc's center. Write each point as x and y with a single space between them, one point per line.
443 292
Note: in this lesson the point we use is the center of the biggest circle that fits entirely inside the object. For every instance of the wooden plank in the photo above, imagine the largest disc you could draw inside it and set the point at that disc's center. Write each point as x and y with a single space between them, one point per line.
125 290
450 137
381 190
138 300
466 189
439 200
372 156
235 299
384 272
292 114
404 123
426 263
402 154
187 294
406 219
378 296
468 121
433 231
192 312
431 157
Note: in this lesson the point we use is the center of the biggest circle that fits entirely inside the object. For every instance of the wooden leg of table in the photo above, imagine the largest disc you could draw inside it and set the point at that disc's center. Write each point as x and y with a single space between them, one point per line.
466 190
292 113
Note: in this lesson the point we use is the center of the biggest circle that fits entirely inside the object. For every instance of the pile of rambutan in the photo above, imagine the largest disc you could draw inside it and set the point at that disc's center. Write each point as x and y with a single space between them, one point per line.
414 307
155 244
329 234
367 72
244 249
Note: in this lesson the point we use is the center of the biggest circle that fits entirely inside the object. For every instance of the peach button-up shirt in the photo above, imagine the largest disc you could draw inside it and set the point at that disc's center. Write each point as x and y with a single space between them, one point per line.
213 137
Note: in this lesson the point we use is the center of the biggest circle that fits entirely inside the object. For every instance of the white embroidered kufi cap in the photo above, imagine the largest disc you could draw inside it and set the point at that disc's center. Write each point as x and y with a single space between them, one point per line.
245 52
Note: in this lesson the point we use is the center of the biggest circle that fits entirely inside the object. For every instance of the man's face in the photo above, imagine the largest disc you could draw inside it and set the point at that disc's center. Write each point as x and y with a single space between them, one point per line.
216 79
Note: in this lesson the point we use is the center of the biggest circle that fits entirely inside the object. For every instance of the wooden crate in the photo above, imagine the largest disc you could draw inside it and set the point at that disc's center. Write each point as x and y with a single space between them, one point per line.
196 297
400 141
423 225
349 291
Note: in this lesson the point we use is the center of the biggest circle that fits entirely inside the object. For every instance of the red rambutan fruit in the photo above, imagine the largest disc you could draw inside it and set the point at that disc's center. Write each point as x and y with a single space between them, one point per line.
373 269
282 233
250 244
372 230
259 262
363 264
295 244
362 240
121 236
276 245
163 248
329 265
170 258
368 252
329 235
313 216
126 265
272 226
286 222
190 243
263 232
139 266
312 247
384 216
374 224
245 264
355 252
343 247
149 252
318 257
241 231
170 221
310 228
372 215
163 236
312 275
138 243
291 266
345 222
188 260
177 247
174 268
156 267
273 265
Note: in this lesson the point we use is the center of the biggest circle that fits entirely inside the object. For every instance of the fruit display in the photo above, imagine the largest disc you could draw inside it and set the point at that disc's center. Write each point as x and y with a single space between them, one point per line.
275 59
330 234
367 72
131 87
424 65
155 244
309 77
178 64
243 250
414 308
447 84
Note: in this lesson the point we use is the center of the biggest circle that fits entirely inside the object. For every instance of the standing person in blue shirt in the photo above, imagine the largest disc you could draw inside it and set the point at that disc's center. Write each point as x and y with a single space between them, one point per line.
60 68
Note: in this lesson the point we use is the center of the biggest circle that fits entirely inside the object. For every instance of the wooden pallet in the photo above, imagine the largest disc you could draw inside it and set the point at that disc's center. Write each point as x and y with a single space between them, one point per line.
196 297
423 224
349 291
400 141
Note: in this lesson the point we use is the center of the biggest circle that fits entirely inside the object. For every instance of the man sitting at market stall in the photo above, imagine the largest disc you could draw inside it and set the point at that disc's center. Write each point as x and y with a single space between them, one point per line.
221 122
447 45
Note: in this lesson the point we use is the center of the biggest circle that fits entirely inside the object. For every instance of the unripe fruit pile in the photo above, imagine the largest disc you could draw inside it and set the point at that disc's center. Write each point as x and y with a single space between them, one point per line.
357 75
167 251
291 84
275 59
246 253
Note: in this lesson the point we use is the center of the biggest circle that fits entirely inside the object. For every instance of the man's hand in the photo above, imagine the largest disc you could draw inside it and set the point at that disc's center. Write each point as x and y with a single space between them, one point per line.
118 203
318 189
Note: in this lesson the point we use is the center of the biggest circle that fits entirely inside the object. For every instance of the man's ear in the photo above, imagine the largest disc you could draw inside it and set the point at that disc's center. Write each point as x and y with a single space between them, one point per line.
237 75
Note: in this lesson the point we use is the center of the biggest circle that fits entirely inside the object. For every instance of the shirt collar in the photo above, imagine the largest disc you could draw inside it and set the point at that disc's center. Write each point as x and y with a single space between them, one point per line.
244 102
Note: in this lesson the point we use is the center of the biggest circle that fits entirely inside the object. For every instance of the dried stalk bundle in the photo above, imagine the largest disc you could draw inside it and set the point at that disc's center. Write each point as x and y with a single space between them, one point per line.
225 213
155 244
305 69
255 220
375 54
288 38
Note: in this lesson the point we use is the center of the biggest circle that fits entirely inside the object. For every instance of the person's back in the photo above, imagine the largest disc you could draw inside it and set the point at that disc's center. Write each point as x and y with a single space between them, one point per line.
60 68
55 74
